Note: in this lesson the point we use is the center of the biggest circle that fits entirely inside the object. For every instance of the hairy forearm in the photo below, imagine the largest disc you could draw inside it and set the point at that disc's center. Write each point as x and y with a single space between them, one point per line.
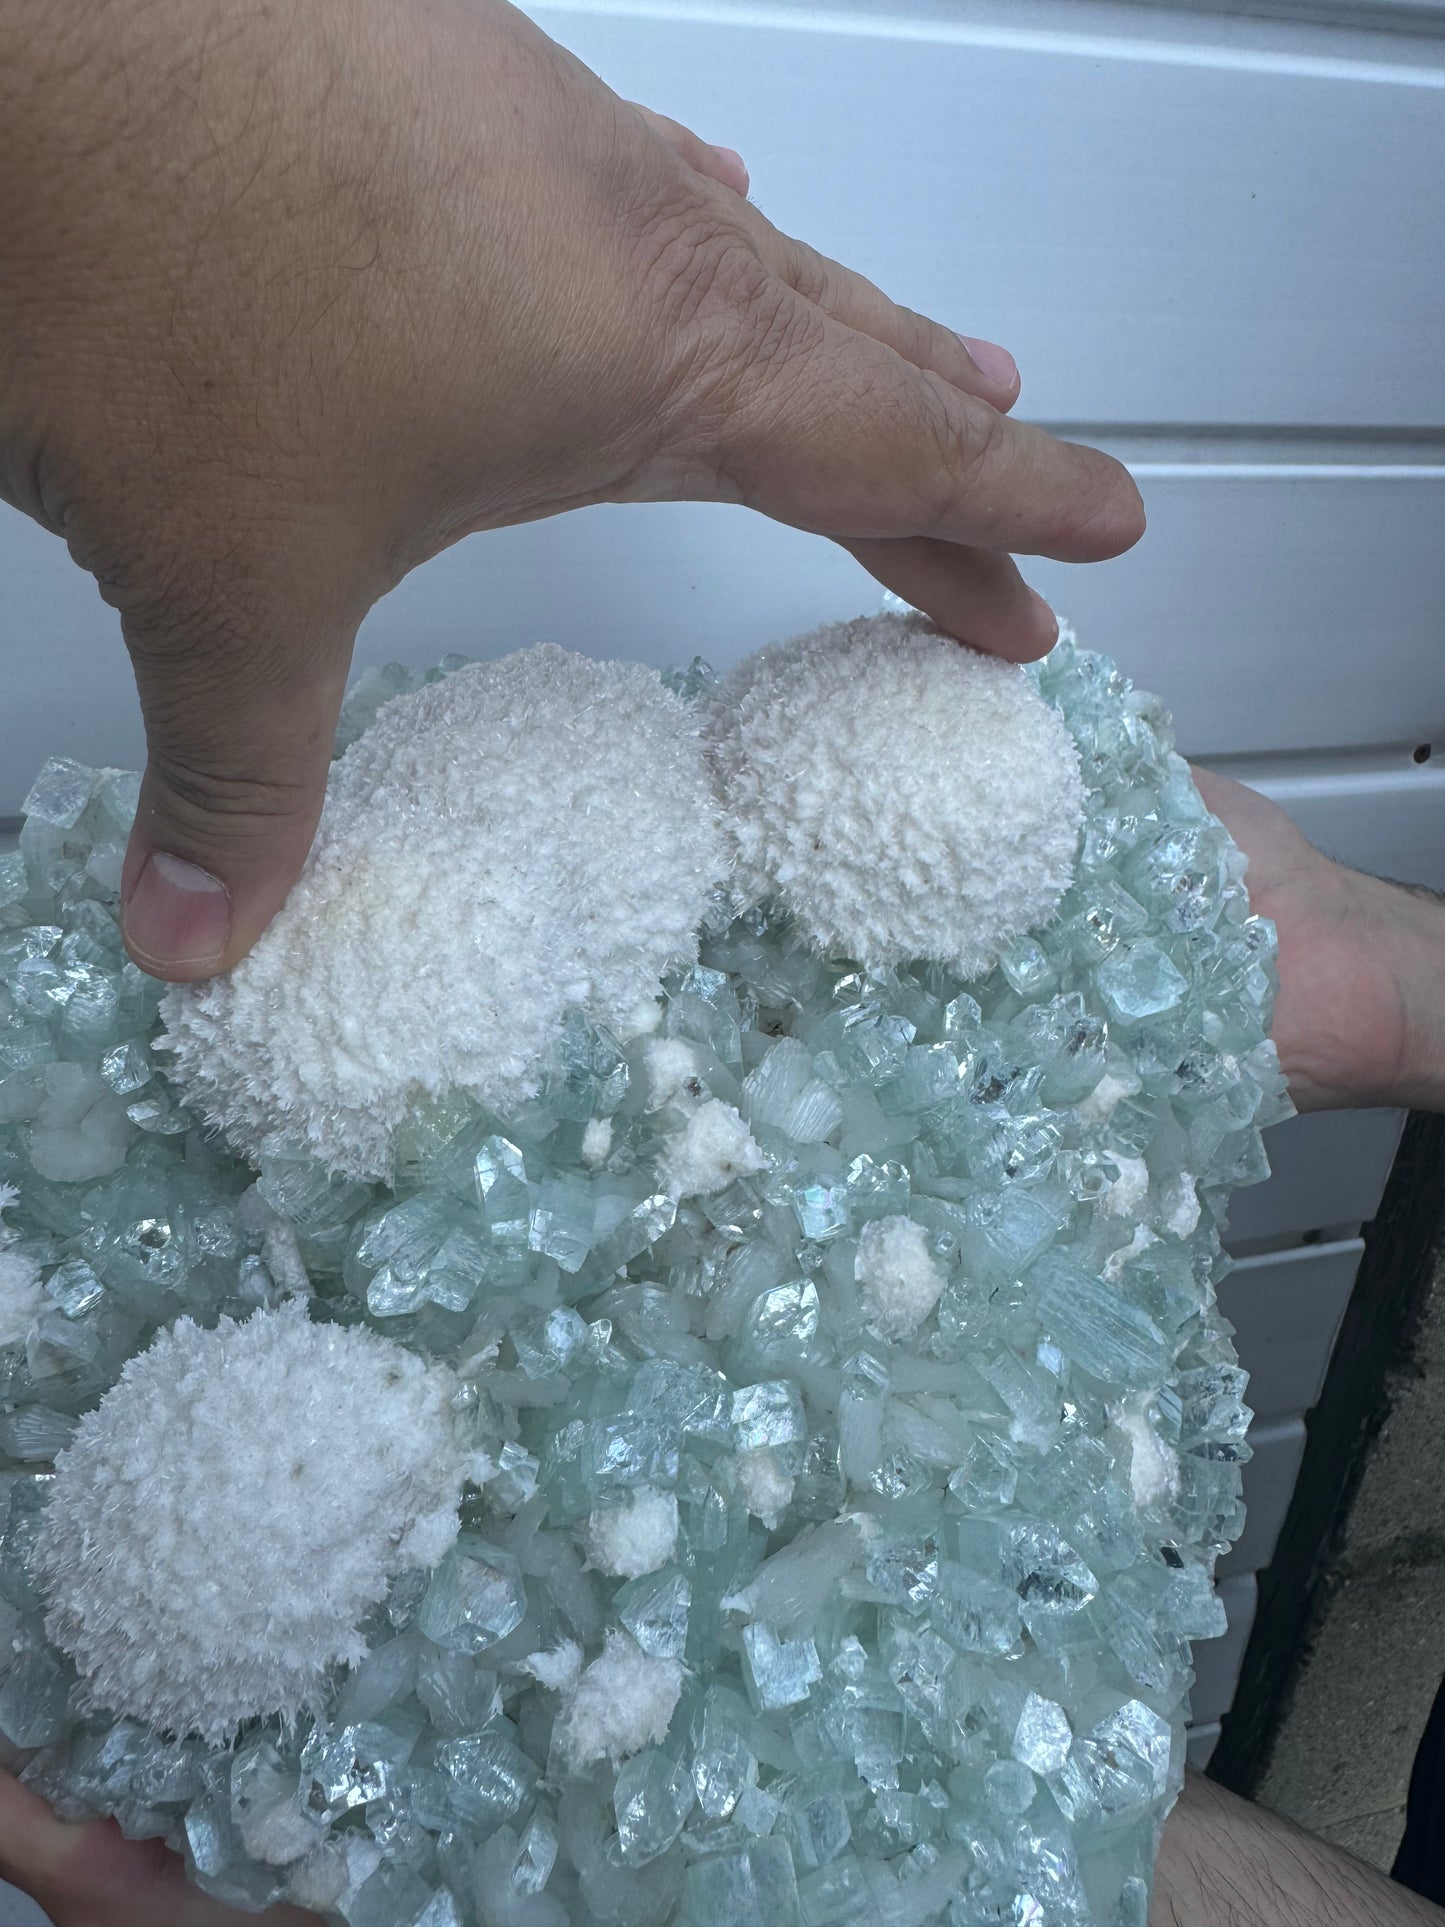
1225 1863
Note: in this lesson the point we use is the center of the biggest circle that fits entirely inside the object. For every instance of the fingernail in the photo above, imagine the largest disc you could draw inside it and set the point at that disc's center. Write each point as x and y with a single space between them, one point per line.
736 165
991 360
177 915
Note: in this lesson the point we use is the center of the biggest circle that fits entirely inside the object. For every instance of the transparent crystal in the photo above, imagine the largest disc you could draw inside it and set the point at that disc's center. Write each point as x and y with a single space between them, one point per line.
653 1797
59 793
1139 981
822 1210
779 1672
1043 1736
476 1597
34 1688
1010 1788
723 1765
1097 1327
536 1855
489 1776
768 1414
655 1610
502 1192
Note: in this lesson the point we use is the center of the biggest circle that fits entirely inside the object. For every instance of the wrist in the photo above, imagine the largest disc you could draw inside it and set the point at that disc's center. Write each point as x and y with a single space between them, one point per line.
1403 927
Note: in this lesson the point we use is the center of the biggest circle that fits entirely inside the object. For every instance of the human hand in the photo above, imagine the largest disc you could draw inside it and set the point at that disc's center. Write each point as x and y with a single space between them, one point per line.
1225 1860
1360 1016
92 1876
293 297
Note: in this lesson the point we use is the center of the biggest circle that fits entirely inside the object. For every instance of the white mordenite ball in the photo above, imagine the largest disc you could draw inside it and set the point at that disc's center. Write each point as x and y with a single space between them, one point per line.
22 1296
767 1490
621 1703
226 1516
634 1537
711 1150
897 1275
903 796
520 839
671 1065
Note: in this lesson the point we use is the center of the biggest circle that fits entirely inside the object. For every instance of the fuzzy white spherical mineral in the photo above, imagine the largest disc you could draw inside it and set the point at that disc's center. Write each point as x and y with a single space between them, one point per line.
22 1296
904 797
621 1703
223 1520
634 1537
520 839
896 1272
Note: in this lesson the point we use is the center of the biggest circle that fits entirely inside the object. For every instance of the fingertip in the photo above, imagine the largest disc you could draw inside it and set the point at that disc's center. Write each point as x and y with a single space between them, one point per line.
998 368
732 170
1045 629
1022 632
1118 521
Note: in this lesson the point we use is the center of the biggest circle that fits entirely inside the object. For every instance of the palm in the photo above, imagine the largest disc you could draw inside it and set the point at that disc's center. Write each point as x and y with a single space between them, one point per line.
92 1876
1339 1020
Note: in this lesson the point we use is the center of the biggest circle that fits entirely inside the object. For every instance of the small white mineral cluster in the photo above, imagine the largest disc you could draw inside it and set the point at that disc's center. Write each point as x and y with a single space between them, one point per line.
827 1333
22 1295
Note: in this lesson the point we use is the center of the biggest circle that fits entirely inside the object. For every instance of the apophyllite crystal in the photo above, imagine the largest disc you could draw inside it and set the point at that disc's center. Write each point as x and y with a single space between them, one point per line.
739 1447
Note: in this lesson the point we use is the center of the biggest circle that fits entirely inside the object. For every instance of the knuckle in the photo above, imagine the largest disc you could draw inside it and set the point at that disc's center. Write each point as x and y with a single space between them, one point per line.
922 341
732 366
226 798
810 274
695 266
968 444
752 389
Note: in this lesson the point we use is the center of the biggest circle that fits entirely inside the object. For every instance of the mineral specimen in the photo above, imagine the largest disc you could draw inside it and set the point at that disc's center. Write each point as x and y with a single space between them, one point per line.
836 1333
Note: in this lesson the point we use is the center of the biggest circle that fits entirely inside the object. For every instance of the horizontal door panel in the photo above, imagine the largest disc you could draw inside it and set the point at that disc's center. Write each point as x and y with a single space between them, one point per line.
1328 1169
1184 230
1245 607
1286 1309
1269 1481
1277 611
1217 1661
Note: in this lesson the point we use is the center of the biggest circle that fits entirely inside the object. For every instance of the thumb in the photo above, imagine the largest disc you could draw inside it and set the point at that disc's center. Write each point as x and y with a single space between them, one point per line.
238 734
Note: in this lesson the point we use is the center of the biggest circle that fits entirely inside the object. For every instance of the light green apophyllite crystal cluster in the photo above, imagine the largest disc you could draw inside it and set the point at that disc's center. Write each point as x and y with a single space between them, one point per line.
845 1529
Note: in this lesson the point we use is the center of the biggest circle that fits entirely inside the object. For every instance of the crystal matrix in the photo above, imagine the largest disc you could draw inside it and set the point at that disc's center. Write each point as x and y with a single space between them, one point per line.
946 1498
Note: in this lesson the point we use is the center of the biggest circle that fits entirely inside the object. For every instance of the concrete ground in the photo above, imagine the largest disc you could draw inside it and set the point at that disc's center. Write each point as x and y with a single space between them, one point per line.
1346 1743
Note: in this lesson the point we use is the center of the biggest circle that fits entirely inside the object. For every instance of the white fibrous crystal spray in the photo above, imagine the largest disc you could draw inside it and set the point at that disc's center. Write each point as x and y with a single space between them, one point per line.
22 1296
712 1149
897 1274
225 1517
635 1537
619 1704
901 795
519 839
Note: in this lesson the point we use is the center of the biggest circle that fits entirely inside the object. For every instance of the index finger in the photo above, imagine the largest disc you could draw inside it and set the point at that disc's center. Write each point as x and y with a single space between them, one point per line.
836 432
